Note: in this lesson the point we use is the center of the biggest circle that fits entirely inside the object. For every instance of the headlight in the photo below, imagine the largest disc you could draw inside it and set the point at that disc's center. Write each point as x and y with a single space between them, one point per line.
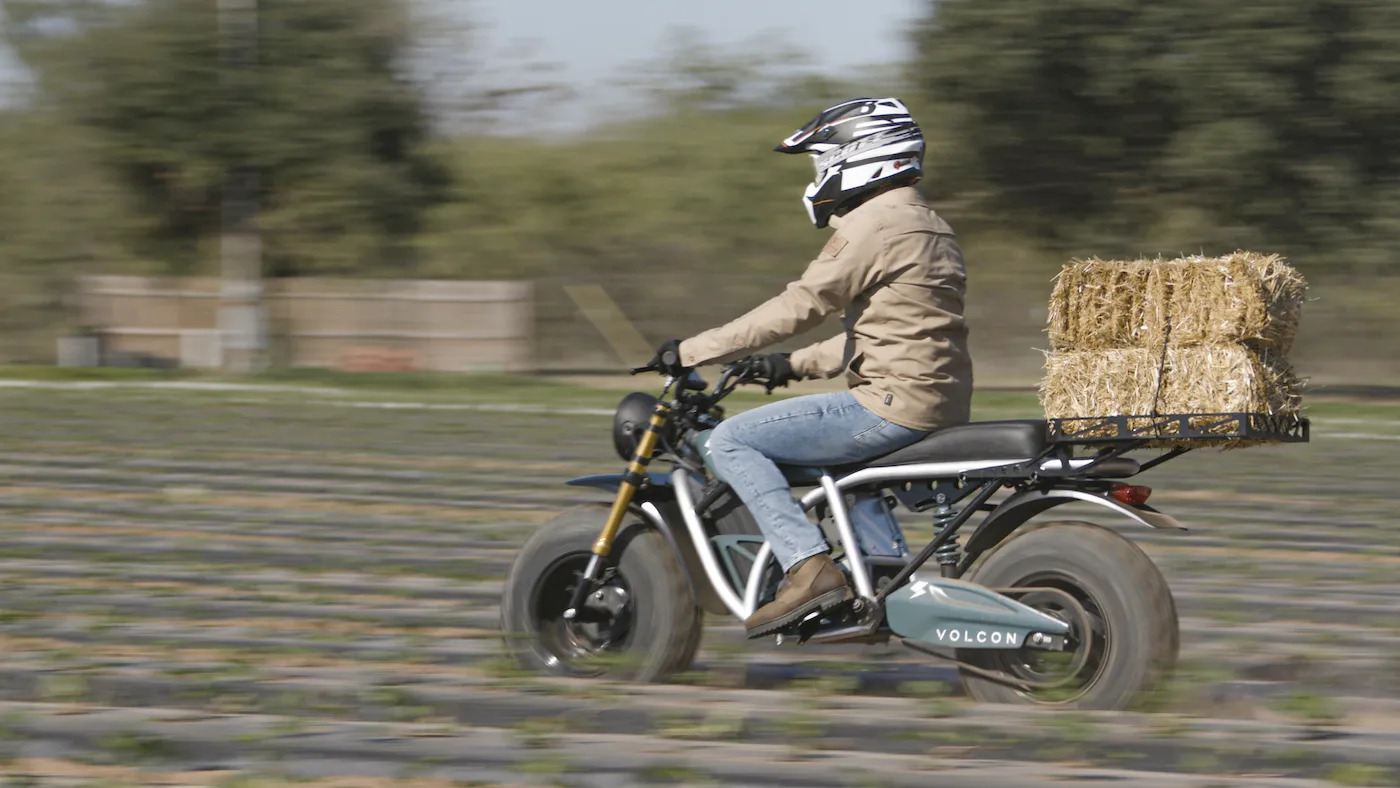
630 421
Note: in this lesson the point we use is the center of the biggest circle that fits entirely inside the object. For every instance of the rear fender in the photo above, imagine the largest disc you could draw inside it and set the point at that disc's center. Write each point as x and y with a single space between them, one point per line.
1018 509
655 504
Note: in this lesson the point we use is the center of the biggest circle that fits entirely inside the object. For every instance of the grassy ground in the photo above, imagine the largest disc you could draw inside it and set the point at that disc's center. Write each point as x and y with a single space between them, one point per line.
269 580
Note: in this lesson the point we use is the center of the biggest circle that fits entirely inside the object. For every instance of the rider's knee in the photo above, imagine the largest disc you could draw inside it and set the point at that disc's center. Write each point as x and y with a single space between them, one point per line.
724 444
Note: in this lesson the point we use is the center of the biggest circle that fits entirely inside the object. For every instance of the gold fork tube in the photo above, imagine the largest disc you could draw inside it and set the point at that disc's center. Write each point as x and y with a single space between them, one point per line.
636 471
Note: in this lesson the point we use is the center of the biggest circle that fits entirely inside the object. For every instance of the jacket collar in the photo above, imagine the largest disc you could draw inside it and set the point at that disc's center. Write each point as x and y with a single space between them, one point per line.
899 196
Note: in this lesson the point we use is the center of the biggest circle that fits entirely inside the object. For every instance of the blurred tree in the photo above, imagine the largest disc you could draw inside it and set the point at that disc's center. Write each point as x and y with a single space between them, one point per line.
1119 122
329 119
56 215
698 190
694 74
684 177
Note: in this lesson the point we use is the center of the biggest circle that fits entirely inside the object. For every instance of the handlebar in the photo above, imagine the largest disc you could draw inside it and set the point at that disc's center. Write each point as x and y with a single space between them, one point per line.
734 374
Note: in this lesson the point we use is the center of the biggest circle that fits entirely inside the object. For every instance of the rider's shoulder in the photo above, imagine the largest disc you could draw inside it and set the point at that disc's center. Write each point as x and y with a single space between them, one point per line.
896 211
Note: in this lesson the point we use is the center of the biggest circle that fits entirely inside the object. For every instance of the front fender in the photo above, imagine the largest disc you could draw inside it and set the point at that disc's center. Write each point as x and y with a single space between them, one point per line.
662 516
1018 509
657 488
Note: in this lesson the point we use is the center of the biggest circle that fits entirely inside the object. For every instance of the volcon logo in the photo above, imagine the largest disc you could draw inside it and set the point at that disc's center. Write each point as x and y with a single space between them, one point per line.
979 636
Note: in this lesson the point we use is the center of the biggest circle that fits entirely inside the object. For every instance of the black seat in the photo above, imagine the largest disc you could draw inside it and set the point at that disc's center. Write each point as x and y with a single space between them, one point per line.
981 440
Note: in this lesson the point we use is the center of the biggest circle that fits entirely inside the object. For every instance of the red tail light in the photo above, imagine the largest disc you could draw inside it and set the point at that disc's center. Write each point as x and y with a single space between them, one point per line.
1131 494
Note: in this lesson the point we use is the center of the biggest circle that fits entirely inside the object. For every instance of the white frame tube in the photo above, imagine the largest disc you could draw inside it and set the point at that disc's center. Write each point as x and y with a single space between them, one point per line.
855 560
830 491
922 470
680 482
755 583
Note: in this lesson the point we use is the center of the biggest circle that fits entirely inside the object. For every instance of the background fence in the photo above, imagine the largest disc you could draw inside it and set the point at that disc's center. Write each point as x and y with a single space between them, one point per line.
1349 334
317 322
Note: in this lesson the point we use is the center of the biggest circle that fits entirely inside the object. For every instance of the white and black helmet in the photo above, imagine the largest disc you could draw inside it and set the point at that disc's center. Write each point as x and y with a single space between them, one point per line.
858 147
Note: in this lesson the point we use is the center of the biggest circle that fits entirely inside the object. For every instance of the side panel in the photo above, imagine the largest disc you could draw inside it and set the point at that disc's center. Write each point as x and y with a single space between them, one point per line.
946 612
1018 509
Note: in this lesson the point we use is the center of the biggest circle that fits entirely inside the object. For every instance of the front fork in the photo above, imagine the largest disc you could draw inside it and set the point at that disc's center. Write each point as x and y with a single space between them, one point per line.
636 474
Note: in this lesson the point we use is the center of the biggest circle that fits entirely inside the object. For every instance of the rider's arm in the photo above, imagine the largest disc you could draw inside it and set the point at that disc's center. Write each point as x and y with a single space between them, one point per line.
847 265
825 359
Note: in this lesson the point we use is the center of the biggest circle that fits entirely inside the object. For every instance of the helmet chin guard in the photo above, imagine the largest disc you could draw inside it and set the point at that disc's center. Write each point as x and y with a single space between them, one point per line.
858 147
820 194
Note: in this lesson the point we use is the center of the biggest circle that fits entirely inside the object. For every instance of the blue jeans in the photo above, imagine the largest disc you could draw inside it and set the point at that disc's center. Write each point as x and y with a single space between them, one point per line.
817 430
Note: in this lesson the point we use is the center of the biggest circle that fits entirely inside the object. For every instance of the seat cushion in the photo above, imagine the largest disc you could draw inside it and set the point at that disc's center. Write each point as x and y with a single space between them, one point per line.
981 440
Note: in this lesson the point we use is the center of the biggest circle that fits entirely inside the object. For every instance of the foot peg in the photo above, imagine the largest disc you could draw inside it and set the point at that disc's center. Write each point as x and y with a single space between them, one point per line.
808 615
838 617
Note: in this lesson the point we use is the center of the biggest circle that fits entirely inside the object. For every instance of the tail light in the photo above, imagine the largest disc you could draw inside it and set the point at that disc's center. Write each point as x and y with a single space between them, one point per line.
1131 494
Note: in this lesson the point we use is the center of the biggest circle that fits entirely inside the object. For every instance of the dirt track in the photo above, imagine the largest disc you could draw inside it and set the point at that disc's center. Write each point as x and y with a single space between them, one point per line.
201 580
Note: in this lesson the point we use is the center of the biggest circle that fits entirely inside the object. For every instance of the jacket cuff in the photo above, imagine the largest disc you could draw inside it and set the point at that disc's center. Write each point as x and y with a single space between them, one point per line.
801 366
690 354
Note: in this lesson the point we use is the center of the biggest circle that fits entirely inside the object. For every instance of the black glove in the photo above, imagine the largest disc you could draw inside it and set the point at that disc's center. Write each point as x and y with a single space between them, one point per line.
776 368
668 359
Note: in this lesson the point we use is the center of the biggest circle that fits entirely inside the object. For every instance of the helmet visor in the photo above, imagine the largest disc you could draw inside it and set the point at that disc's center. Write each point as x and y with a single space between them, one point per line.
811 132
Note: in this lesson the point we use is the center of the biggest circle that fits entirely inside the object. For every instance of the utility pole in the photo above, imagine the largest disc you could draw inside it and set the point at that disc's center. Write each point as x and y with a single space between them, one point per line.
242 323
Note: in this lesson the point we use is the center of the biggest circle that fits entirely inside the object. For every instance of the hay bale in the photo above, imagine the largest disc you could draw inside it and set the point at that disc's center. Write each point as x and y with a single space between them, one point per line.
1217 378
1243 297
1099 304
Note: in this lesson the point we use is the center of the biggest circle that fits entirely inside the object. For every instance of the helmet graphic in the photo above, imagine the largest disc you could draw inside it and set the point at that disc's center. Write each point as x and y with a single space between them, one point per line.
858 147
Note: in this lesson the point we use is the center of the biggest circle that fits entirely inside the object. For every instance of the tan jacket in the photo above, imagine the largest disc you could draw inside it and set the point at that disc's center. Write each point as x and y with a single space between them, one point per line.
896 269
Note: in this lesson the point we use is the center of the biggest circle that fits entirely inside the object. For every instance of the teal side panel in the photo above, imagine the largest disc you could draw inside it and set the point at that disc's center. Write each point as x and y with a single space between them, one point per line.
700 441
947 612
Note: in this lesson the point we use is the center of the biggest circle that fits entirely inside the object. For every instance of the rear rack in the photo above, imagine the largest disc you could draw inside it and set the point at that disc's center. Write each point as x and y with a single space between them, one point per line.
1177 427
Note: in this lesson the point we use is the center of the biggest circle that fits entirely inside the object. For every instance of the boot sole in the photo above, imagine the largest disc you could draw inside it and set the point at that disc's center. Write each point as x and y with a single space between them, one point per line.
831 599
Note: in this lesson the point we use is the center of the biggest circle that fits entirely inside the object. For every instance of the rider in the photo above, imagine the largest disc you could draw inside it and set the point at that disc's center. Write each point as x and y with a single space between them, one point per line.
896 269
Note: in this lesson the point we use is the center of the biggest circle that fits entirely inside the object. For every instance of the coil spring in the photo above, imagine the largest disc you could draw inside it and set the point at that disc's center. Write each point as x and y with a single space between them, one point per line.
950 553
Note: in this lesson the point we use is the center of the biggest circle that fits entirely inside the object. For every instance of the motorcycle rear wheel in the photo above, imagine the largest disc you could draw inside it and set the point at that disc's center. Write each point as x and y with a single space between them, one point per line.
641 624
1129 618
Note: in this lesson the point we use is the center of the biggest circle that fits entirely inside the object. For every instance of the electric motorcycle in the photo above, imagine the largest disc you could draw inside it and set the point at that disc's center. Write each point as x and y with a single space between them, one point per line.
1057 612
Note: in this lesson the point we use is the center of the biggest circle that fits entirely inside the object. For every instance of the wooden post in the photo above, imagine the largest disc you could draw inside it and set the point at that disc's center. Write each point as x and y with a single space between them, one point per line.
242 322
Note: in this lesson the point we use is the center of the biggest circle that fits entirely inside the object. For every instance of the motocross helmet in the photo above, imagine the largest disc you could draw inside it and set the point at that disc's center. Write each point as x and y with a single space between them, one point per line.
858 147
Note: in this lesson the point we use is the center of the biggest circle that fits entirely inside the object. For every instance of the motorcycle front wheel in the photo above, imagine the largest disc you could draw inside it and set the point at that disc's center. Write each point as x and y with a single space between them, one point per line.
641 623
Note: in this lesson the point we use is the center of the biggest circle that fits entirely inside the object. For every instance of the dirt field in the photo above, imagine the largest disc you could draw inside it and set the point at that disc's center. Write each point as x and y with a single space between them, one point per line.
200 586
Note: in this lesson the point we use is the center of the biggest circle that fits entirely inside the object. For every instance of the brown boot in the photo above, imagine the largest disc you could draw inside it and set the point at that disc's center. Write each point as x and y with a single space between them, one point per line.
814 584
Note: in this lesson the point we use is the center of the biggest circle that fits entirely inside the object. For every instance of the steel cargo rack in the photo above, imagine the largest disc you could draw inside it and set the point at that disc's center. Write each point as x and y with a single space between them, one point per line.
1097 446
1178 427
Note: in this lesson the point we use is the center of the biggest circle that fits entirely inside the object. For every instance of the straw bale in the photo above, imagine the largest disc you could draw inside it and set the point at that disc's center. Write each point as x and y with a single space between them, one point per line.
1217 378
1242 297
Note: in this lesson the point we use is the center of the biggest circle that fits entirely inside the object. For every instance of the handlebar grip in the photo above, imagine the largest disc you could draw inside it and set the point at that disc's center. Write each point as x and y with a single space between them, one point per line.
640 370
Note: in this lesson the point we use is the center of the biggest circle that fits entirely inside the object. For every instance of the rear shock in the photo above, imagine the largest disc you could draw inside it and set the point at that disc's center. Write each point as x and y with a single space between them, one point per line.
949 554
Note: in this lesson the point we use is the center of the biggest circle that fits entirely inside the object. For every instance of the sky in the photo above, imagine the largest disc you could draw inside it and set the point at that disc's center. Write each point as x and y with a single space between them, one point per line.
589 43
592 43
591 40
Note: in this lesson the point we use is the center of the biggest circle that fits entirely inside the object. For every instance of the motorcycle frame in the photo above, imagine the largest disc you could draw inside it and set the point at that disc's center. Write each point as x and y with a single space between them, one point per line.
1002 519
1051 479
